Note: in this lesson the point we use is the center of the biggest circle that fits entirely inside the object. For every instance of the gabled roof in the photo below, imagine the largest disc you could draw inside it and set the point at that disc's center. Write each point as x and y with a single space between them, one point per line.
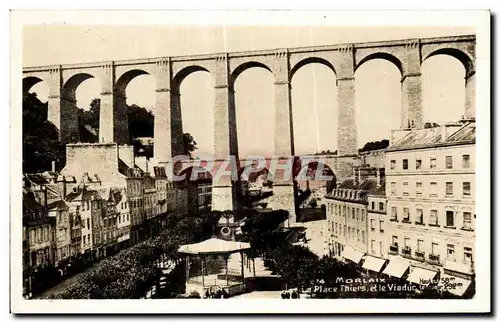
419 137
37 179
122 167
58 206
82 195
464 134
429 137
379 192
31 205
348 183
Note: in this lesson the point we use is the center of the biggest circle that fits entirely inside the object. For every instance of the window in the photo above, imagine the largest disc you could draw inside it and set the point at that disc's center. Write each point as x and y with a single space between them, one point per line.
433 191
353 213
449 162
344 231
449 188
466 161
450 219
381 206
357 214
407 243
466 188
405 189
88 224
451 252
395 240
381 247
394 213
362 236
357 235
420 244
467 255
393 164
373 205
405 163
432 163
467 220
372 224
32 236
84 239
420 217
419 188
362 215
435 248
434 218
349 233
372 245
393 188
381 223
88 205
418 164
406 214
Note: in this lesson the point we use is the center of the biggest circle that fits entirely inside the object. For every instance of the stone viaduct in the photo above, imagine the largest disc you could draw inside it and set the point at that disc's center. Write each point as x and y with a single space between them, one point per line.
169 72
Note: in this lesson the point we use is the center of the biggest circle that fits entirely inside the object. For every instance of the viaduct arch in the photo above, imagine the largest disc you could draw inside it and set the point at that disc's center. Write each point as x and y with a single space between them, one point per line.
169 72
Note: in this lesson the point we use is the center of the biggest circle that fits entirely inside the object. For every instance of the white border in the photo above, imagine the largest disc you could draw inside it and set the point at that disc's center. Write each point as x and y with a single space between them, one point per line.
478 19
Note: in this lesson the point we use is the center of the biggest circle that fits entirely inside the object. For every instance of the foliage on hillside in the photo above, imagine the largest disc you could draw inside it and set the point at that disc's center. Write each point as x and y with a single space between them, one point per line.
41 143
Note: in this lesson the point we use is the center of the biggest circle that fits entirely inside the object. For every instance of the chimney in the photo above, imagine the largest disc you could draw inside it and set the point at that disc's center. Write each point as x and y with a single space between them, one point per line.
54 166
64 187
378 177
45 196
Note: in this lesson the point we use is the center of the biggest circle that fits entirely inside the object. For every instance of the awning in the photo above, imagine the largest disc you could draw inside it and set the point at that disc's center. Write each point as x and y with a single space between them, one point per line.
214 246
396 268
374 264
352 254
421 276
455 285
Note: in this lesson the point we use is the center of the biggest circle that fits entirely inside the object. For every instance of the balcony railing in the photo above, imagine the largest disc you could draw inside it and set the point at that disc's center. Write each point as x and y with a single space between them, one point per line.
434 258
393 250
406 251
420 255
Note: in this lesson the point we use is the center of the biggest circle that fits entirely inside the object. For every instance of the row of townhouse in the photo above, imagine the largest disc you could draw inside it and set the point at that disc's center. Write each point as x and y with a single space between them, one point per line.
418 225
90 222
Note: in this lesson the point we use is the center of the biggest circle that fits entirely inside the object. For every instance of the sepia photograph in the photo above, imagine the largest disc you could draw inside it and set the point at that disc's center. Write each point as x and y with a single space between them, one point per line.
192 157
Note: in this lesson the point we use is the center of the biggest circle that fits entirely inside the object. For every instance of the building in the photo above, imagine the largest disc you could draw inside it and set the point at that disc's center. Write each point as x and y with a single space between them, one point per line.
377 223
86 203
431 203
59 211
135 194
346 208
123 211
36 233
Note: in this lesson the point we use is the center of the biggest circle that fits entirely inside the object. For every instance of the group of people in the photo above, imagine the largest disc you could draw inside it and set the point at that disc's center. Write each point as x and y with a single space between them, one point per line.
220 293
286 294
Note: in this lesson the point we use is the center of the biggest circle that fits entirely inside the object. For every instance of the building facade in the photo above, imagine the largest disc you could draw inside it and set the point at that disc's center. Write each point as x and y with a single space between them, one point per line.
431 201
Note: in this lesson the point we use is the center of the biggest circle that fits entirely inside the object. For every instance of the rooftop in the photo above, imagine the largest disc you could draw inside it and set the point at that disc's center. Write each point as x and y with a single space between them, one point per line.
433 137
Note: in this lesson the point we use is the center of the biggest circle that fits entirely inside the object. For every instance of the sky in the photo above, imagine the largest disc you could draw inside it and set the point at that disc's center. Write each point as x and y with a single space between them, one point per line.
314 104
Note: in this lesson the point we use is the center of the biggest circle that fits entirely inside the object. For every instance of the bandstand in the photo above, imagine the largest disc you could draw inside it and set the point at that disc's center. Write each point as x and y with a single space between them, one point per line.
232 283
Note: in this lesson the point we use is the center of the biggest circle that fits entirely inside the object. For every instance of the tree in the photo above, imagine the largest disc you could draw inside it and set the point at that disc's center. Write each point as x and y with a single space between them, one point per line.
374 145
41 143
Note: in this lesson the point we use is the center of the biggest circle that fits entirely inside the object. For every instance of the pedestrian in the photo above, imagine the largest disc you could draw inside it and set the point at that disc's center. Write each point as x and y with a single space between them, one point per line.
287 295
283 296
294 294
